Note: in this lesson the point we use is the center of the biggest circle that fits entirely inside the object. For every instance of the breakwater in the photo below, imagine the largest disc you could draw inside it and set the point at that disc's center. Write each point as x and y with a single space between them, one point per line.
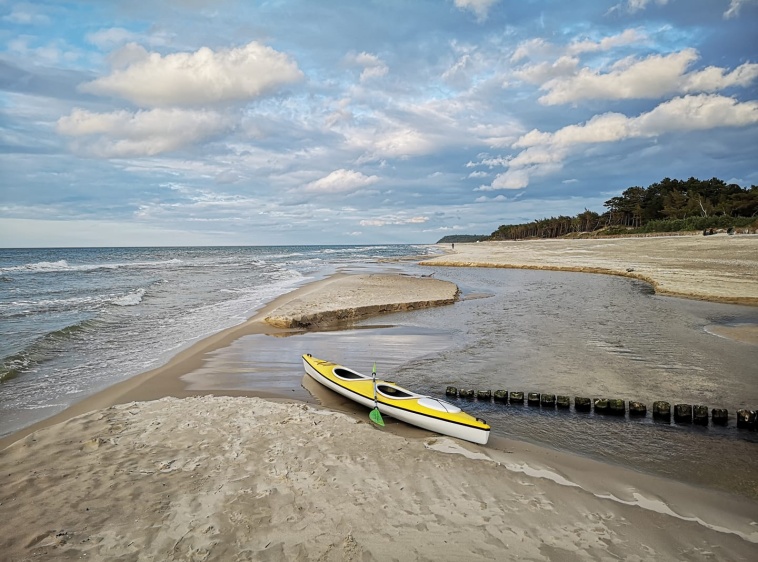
662 411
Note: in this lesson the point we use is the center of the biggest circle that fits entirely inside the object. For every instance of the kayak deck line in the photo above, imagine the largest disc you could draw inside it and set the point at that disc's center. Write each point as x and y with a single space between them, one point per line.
391 399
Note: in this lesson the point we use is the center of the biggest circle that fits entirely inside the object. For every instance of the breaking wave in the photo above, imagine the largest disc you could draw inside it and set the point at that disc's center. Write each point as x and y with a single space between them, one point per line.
131 299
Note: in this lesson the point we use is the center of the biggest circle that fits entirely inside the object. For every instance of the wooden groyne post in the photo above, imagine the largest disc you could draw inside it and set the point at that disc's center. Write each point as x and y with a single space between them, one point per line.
662 411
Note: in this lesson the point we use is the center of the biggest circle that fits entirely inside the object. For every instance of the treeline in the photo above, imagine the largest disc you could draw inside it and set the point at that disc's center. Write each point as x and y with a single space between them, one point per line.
666 206
462 238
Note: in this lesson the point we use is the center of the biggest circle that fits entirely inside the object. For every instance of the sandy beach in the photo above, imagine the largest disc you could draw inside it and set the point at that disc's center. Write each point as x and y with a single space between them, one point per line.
247 479
148 470
717 268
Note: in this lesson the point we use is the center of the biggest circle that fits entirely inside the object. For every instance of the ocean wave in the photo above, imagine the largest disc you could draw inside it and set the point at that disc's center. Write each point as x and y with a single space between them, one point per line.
62 266
342 250
278 256
89 303
44 348
10 371
284 275
59 265
130 299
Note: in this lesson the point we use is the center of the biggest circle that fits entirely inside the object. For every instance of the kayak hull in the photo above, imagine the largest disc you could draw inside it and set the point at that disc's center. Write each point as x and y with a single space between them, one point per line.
395 401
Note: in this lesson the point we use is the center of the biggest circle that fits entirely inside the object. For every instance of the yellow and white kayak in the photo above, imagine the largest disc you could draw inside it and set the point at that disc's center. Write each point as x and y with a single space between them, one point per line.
402 404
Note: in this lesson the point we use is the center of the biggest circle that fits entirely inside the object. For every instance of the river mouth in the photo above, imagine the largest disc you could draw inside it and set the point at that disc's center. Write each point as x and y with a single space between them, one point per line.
549 332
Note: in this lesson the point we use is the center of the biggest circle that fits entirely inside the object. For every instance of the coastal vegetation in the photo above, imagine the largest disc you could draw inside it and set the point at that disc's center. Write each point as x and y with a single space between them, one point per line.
462 238
666 206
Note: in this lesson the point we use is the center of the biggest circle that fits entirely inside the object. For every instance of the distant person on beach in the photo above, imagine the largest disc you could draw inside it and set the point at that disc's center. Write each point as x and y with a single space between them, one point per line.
453 245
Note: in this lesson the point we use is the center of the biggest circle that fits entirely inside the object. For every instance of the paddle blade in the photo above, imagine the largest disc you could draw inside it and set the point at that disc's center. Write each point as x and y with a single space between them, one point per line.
376 417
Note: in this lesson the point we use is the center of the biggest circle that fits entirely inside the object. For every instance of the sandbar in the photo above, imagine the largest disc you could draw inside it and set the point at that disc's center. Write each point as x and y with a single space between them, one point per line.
346 299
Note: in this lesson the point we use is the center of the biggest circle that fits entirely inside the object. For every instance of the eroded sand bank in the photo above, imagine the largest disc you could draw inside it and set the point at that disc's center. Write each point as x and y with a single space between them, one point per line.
344 299
718 268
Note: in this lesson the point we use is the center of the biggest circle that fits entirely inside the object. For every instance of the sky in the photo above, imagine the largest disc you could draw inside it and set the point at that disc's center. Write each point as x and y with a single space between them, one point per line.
224 122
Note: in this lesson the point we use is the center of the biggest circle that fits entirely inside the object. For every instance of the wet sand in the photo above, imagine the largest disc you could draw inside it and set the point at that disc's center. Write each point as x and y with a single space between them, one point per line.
139 474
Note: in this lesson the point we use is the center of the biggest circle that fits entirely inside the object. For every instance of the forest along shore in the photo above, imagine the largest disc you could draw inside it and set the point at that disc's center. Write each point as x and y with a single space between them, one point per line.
718 268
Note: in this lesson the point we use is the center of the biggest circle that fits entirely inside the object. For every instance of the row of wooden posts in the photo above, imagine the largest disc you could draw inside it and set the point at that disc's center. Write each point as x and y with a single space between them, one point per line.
683 413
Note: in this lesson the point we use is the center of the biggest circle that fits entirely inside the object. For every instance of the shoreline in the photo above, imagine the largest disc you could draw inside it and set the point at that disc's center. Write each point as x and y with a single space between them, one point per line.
165 380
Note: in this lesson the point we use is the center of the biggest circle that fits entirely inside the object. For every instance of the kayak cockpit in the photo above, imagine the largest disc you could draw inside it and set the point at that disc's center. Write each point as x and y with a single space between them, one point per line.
395 392
348 375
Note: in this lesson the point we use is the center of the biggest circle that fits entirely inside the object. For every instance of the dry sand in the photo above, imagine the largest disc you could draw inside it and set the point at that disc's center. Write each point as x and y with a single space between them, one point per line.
345 299
222 478
246 479
716 268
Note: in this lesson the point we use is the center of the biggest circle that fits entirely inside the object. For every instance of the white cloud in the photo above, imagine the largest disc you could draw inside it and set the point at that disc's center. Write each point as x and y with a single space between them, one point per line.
406 142
398 219
633 6
341 181
511 179
480 8
26 14
540 49
373 66
393 143
626 37
735 6
545 72
691 113
637 5
531 47
110 37
544 153
653 77
107 38
199 78
53 53
468 66
123 134
485 199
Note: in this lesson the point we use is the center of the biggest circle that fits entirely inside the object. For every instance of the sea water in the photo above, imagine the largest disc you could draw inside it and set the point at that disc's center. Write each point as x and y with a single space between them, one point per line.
74 321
